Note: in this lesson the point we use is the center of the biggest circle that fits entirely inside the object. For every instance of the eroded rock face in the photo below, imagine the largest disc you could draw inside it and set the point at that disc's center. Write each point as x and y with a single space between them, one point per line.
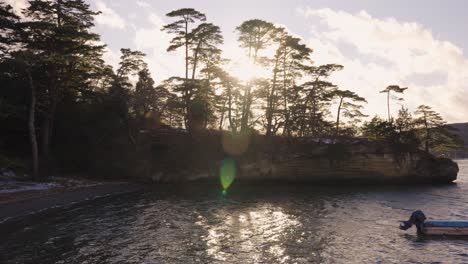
436 169
364 162
305 160
357 167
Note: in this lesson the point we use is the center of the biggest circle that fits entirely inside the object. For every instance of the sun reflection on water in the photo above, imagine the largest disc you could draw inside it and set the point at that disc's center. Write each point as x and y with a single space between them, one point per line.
248 234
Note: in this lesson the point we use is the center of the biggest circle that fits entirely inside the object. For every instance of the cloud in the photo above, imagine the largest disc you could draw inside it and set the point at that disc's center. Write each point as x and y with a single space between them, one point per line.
108 17
154 42
379 52
143 4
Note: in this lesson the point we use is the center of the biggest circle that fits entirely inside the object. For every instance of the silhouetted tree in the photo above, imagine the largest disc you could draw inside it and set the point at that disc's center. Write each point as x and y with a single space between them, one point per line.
379 129
406 128
433 131
131 63
388 90
312 102
254 35
145 99
9 29
207 37
288 64
184 38
348 103
59 32
58 91
231 99
16 58
175 115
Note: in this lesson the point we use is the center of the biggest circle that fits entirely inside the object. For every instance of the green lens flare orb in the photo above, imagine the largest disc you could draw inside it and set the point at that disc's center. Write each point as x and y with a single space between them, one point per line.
227 173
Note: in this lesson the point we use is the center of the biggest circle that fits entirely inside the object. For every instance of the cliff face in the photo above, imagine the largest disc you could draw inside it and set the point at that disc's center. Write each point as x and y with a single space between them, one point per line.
354 160
179 157
358 167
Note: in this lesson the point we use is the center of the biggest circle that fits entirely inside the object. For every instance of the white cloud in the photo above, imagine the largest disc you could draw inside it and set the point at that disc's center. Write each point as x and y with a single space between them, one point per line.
143 4
108 17
154 43
391 52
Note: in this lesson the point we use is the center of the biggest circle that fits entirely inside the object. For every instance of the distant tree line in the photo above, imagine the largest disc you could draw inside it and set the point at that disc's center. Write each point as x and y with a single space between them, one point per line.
56 86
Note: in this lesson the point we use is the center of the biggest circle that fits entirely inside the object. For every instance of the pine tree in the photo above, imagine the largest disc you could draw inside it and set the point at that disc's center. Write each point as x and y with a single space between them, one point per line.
144 98
58 31
433 131
254 35
13 54
312 102
288 64
388 90
348 105
184 38
9 29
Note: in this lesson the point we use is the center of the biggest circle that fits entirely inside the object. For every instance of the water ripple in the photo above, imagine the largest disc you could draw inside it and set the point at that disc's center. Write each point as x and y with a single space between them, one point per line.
268 224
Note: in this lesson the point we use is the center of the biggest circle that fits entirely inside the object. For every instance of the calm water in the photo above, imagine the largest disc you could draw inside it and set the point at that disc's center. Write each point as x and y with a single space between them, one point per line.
262 224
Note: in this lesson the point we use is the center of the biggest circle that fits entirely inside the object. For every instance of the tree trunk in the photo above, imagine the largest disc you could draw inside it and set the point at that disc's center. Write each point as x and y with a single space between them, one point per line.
287 130
338 117
188 118
314 114
221 121
427 134
195 60
388 105
247 98
186 55
32 128
245 110
231 123
48 126
270 100
314 120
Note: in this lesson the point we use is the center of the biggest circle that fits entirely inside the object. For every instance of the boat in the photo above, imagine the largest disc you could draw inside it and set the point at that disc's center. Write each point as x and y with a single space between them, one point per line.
447 228
454 228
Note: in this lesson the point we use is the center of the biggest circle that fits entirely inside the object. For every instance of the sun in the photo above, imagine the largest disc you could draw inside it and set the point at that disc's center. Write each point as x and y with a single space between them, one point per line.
246 70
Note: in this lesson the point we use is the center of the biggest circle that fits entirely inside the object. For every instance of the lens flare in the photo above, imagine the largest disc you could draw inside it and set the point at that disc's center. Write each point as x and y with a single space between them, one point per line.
227 173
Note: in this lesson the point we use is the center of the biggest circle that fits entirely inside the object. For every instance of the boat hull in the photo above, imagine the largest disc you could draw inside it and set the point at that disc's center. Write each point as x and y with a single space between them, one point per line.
445 228
446 231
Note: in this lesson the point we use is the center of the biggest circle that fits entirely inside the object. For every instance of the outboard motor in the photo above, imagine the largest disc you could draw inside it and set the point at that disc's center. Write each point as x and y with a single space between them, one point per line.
417 218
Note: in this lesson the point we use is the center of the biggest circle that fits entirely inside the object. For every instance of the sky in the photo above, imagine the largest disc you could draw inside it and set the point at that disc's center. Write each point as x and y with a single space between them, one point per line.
418 44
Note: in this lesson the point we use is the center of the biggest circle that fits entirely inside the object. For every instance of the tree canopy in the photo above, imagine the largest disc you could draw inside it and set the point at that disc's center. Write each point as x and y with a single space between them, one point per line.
57 88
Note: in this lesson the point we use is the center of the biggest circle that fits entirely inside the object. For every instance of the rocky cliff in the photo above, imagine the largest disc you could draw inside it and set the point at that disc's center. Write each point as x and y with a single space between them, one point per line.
360 167
181 158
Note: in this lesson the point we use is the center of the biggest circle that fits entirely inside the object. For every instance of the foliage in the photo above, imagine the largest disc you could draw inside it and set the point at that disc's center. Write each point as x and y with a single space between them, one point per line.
388 91
58 90
433 131
428 130
349 106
